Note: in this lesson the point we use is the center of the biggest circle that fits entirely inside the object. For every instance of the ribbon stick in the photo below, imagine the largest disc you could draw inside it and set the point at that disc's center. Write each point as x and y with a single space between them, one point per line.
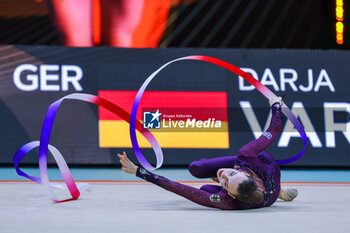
134 125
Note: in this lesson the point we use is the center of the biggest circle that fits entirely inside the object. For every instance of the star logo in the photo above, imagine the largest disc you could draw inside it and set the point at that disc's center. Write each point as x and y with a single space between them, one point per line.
151 120
156 115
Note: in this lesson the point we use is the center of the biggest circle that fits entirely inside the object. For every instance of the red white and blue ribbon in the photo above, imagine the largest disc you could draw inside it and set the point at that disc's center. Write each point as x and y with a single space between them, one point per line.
134 125
62 165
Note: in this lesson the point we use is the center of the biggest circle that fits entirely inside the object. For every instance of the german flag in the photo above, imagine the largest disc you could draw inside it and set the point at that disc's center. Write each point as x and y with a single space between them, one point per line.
188 119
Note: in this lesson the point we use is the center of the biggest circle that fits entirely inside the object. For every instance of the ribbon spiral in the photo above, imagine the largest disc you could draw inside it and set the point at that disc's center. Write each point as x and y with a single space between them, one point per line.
134 125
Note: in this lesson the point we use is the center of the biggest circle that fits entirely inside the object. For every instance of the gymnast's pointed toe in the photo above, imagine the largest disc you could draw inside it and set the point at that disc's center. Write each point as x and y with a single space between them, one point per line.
289 194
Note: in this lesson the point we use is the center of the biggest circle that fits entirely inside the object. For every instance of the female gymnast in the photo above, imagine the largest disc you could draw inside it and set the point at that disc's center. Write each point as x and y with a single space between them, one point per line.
250 179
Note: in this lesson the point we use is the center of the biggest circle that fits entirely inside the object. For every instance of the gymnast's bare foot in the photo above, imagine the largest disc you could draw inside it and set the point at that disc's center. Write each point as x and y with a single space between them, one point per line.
288 194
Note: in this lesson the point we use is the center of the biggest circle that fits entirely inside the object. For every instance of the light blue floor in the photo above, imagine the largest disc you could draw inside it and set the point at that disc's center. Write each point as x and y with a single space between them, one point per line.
173 174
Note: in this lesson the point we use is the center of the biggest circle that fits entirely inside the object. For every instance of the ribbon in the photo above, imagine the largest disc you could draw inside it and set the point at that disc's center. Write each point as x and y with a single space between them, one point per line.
249 78
62 165
134 125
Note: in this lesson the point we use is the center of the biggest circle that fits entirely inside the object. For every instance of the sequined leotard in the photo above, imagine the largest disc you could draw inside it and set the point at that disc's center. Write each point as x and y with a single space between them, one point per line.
251 156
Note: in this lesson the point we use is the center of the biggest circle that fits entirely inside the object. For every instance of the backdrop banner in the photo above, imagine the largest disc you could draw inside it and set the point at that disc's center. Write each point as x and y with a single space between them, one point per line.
194 109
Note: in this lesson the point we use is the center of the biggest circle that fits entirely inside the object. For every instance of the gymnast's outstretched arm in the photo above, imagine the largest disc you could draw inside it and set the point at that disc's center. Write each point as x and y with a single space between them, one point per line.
207 168
256 146
220 200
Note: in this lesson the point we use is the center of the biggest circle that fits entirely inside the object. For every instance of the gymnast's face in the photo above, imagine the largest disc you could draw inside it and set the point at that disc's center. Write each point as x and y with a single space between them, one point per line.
230 179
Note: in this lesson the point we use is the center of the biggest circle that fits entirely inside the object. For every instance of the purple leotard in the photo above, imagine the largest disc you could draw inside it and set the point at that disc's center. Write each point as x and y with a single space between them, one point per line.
251 156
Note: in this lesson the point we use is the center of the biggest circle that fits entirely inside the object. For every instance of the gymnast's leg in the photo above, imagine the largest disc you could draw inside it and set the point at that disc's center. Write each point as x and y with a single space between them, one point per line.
211 188
207 168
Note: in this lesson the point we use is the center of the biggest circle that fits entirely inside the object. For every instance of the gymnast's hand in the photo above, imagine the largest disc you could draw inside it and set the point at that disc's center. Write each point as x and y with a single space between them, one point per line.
276 100
128 166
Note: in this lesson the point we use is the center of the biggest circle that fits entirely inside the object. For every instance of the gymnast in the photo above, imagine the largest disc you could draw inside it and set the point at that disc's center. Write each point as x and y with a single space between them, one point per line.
250 179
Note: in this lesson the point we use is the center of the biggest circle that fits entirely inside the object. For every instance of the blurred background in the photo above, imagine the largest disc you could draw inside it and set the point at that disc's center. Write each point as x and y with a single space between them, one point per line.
308 24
